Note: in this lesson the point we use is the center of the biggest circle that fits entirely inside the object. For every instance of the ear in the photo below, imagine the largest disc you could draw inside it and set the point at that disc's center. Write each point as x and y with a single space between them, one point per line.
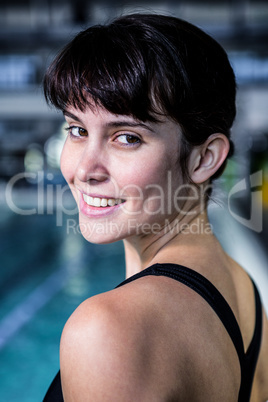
207 158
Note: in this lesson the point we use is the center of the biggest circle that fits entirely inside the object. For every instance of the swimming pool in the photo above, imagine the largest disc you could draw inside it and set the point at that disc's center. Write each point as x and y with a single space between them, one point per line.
45 275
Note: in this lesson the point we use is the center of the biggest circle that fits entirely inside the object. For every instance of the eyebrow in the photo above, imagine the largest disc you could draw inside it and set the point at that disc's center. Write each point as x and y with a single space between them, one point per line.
72 116
128 124
113 123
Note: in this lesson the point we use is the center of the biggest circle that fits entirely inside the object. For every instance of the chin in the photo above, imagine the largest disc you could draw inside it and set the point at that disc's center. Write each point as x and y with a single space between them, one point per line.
97 239
103 232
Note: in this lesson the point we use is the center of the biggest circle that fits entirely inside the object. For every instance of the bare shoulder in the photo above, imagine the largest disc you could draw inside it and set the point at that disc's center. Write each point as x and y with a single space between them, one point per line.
103 350
138 343
96 349
109 349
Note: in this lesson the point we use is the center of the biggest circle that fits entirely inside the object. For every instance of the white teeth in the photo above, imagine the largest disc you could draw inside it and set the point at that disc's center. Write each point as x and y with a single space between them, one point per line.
87 199
97 202
104 202
101 202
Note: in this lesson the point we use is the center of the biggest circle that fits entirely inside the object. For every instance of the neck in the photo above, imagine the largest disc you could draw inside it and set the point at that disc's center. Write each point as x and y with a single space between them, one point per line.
170 244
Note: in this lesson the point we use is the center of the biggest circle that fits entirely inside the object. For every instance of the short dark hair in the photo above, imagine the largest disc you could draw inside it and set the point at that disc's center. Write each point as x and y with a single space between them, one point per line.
146 65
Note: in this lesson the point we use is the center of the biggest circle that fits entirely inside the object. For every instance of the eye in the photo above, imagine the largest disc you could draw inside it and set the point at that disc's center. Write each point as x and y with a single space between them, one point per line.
76 131
128 139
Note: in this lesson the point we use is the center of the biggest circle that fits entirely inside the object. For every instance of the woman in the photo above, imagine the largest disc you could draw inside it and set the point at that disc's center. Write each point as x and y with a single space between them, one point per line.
149 101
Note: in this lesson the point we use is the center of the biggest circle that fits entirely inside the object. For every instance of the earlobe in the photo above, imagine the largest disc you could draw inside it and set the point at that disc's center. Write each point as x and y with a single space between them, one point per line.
207 158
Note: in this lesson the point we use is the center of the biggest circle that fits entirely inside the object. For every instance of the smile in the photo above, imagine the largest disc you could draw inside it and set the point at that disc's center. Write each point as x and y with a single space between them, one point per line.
101 202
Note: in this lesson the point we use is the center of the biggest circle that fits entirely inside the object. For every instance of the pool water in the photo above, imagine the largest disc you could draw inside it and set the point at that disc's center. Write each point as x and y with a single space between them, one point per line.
45 274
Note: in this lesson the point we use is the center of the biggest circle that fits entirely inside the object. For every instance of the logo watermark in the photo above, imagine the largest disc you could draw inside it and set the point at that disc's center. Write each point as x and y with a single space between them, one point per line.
49 197
133 225
255 221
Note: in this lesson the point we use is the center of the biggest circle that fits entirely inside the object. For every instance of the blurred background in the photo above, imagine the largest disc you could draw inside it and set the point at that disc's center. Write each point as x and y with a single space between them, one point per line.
47 268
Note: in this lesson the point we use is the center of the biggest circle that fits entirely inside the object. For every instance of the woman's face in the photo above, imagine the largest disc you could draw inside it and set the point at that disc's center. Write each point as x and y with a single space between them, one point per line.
122 173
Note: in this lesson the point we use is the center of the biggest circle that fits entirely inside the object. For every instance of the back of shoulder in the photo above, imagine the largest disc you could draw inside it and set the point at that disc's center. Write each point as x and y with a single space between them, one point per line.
103 354
150 339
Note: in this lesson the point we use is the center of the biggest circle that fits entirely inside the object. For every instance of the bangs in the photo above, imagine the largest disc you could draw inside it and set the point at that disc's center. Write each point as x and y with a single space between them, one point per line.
147 66
102 68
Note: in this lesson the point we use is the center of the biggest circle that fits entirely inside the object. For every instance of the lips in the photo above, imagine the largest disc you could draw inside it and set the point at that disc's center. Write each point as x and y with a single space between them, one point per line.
101 202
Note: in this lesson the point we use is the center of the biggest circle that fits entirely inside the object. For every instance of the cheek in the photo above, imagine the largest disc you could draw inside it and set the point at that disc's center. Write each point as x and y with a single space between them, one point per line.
67 164
148 177
138 174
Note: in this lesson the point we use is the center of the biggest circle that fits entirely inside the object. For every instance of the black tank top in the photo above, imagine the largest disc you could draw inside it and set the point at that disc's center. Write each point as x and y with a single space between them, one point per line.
207 291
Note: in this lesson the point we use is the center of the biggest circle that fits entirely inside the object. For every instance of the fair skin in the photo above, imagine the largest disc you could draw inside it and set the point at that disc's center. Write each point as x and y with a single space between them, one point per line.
123 343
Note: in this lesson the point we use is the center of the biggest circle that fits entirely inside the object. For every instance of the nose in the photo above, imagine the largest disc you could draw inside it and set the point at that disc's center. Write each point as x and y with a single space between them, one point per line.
92 166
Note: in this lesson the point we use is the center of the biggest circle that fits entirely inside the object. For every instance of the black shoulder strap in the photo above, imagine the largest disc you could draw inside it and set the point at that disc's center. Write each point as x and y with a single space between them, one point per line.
214 298
251 356
205 289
